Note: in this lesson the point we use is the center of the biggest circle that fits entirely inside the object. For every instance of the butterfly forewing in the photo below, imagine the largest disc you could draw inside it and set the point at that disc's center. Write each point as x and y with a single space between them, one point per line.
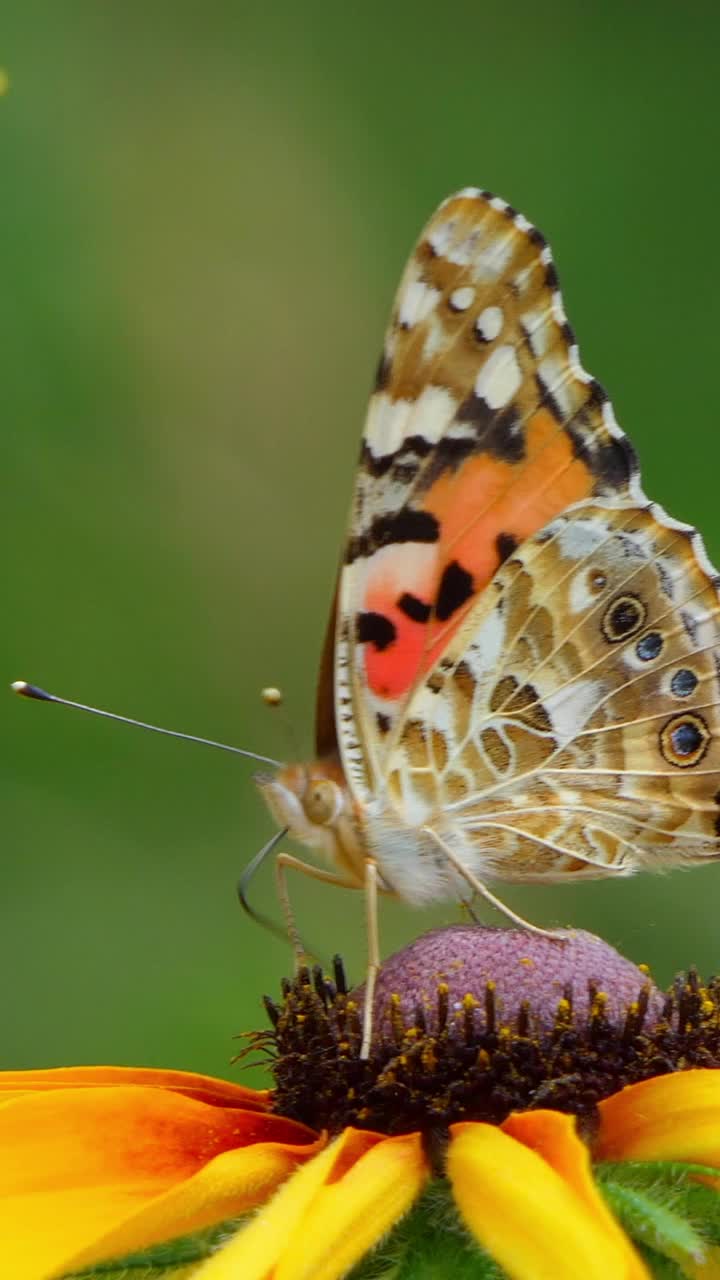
482 427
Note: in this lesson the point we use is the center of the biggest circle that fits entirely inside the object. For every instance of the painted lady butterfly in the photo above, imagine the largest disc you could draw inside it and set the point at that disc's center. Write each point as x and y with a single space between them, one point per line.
520 677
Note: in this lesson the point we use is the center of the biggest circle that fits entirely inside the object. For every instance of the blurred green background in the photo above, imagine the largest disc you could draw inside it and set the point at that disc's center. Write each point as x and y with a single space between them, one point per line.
205 212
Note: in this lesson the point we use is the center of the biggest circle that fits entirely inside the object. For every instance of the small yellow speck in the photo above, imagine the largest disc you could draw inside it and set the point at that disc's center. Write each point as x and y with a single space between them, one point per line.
271 696
4 82
527 960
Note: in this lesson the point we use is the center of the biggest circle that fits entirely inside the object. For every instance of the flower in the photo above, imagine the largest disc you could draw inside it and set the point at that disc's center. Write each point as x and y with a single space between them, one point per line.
560 1118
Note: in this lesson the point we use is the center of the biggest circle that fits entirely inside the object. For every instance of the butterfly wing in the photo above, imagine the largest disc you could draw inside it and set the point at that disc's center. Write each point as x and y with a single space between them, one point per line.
572 725
482 427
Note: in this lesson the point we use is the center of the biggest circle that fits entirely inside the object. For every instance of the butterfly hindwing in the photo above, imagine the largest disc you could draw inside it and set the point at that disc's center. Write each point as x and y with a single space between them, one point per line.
573 723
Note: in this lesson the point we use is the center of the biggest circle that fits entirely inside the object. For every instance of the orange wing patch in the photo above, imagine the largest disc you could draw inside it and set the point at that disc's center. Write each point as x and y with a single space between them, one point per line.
484 510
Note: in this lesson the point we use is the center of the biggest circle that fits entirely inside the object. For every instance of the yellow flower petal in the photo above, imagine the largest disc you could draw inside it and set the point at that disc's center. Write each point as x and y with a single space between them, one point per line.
90 1171
673 1117
329 1214
526 1192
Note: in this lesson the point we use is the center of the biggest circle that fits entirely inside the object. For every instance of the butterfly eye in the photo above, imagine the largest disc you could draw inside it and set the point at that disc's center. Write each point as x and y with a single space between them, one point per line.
623 618
322 802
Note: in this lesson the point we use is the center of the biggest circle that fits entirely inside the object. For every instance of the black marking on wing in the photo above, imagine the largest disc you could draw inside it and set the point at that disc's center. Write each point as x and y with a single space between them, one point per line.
497 432
449 454
375 629
547 399
413 449
413 607
505 544
613 462
456 586
551 276
405 525
383 372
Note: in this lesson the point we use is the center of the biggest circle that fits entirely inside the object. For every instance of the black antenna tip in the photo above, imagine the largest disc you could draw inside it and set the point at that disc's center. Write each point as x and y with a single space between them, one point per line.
30 691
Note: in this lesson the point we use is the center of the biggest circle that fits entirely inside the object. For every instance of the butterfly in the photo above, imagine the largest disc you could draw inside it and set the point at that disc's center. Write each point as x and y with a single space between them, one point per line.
520 678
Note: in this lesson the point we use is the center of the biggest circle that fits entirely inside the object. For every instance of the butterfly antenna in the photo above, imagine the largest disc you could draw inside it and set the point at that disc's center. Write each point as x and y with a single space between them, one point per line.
26 690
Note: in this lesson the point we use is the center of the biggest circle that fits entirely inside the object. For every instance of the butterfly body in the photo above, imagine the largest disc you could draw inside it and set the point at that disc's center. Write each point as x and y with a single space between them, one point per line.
521 678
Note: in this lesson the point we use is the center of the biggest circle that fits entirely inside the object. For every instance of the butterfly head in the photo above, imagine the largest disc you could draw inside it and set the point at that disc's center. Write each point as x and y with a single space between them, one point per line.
313 801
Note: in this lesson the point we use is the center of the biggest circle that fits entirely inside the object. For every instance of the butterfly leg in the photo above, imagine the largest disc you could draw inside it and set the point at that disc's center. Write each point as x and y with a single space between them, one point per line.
285 862
467 908
373 952
484 892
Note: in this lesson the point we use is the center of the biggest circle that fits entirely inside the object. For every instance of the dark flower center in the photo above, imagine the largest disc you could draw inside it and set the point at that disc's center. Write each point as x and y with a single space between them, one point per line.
560 1025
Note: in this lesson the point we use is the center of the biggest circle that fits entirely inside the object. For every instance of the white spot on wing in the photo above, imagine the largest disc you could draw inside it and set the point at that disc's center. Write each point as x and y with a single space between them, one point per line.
436 338
489 323
461 299
537 328
417 301
490 264
579 538
434 410
556 373
500 378
484 653
441 236
581 597
570 708
386 423
462 253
